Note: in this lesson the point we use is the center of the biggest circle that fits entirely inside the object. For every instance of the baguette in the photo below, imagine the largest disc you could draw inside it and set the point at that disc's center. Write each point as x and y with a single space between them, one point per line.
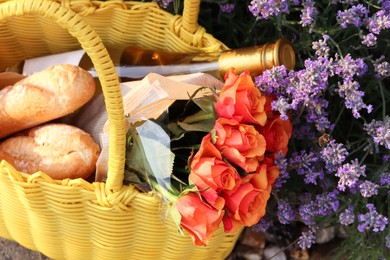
59 150
9 78
44 96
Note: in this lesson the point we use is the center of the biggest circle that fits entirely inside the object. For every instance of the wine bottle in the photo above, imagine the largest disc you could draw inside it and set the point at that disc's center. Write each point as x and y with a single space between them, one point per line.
134 63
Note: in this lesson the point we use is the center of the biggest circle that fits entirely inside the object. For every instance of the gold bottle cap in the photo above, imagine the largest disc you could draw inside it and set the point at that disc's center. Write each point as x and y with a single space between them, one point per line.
259 58
284 54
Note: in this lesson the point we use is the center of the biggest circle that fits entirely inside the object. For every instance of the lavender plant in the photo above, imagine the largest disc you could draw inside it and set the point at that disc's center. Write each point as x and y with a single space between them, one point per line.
337 171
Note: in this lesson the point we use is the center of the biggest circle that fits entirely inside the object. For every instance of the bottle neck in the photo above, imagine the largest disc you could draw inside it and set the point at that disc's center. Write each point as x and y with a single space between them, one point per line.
242 59
258 58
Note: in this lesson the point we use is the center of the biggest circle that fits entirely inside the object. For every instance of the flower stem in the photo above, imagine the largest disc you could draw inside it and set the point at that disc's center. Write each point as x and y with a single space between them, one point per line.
338 117
383 100
337 47
364 156
176 6
346 39
164 192
359 148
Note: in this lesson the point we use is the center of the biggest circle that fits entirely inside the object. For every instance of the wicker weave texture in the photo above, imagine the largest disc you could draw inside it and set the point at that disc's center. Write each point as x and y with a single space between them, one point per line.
118 23
68 220
74 219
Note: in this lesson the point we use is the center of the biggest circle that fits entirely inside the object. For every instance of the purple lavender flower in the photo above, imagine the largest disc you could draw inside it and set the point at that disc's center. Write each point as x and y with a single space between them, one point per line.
305 164
379 131
303 132
378 22
306 212
309 12
327 203
387 241
334 154
368 189
321 48
385 179
268 8
227 8
285 212
307 87
385 5
347 217
307 239
372 220
310 82
349 174
273 81
348 67
316 113
164 3
281 105
281 163
303 89
369 40
353 16
353 97
264 224
382 68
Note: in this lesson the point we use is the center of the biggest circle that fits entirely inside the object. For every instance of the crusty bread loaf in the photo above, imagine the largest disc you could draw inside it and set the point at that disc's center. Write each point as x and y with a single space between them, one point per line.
60 150
9 78
44 96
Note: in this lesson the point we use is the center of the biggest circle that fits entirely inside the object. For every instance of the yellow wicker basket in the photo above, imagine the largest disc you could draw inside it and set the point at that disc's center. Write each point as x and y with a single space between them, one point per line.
74 219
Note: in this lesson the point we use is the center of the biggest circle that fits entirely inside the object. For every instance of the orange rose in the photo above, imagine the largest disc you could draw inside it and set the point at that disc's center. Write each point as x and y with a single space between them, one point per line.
260 180
206 149
241 100
211 175
240 144
265 177
269 159
277 133
211 196
272 174
268 107
197 218
230 224
245 206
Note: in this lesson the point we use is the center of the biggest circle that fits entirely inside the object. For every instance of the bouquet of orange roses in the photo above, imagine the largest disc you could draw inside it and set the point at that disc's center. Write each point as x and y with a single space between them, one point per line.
228 180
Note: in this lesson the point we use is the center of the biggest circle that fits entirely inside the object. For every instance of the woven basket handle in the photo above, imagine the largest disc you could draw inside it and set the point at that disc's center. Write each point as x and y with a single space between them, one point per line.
190 15
92 44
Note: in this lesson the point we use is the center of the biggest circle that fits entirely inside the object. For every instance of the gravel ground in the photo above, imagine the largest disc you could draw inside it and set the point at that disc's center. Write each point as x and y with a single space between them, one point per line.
10 250
250 246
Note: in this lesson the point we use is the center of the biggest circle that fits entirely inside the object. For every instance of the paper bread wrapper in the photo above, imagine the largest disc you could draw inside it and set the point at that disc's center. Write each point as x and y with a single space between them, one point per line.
144 99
